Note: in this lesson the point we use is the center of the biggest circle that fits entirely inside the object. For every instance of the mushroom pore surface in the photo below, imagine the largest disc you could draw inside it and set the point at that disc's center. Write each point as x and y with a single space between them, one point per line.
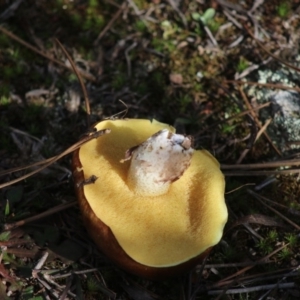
156 231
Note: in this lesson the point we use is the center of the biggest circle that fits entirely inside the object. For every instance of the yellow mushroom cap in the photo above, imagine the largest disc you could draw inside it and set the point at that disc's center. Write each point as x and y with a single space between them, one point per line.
155 231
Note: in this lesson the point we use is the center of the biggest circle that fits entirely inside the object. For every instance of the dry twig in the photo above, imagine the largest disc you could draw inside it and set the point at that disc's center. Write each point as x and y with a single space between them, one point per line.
53 159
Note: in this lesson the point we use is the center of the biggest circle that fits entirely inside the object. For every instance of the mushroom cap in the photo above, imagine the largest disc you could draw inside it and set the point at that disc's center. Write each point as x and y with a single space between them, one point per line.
149 236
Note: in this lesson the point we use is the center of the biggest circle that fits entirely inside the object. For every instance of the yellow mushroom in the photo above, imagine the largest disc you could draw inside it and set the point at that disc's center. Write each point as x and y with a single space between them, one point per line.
157 206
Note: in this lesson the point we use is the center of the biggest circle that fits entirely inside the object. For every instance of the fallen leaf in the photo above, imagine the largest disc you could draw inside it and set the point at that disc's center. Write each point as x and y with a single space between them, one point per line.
176 78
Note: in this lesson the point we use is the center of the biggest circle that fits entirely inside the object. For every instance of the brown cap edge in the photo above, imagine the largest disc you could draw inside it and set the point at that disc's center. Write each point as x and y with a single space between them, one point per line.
106 241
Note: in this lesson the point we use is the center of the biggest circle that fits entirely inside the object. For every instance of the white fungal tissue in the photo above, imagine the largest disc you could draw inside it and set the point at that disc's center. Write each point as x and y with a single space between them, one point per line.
157 162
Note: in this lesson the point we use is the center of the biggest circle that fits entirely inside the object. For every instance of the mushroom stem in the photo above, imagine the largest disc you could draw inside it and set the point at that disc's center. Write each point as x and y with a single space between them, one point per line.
157 162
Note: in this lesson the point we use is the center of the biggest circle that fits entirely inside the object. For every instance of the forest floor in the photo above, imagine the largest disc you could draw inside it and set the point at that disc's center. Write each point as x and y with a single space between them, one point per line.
225 72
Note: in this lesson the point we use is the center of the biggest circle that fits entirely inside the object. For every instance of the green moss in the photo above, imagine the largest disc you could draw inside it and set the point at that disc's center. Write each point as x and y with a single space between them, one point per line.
161 45
283 9
157 44
99 22
92 285
94 23
213 25
292 239
168 29
72 77
141 4
198 30
4 236
272 235
265 246
243 64
228 128
4 100
93 3
198 87
285 254
140 26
